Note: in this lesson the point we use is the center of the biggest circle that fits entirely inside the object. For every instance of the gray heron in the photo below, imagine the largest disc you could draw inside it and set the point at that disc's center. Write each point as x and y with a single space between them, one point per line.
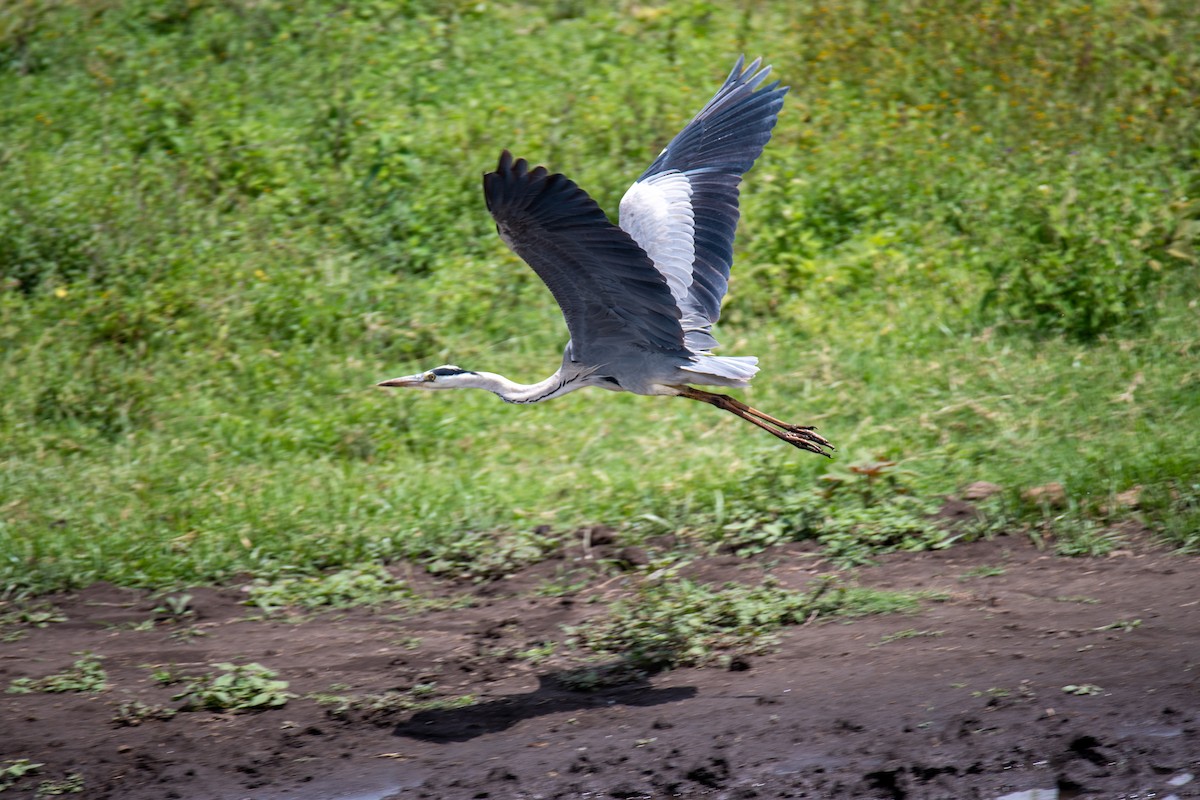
640 298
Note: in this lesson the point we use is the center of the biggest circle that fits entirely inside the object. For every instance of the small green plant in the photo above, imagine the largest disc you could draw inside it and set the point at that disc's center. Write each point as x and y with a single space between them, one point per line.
538 652
14 770
382 704
135 712
1083 689
408 642
175 607
560 586
1077 598
164 676
85 675
423 689
35 615
17 618
71 784
910 633
244 687
983 571
1123 625
369 585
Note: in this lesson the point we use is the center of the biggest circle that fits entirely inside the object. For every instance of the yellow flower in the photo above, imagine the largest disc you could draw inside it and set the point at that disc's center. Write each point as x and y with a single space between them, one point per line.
61 292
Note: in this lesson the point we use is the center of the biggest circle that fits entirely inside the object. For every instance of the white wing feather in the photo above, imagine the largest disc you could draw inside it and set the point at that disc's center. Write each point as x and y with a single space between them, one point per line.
657 214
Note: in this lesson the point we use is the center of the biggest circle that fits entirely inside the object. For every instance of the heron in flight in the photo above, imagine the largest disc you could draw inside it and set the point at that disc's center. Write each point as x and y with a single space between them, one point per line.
640 299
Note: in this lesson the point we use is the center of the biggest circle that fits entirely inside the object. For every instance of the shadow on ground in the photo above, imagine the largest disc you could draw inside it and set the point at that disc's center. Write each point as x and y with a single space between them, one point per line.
493 716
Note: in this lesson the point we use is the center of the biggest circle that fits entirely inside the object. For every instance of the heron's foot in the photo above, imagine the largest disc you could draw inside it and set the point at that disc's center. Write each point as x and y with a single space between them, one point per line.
806 438
801 436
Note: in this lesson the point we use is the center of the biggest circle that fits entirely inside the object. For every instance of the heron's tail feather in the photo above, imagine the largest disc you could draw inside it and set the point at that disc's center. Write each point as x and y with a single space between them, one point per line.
735 371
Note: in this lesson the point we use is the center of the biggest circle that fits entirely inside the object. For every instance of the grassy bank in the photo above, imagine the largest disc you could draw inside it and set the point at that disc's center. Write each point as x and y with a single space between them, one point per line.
970 249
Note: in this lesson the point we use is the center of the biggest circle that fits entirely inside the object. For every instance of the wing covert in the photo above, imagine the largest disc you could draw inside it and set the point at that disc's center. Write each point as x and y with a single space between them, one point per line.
606 286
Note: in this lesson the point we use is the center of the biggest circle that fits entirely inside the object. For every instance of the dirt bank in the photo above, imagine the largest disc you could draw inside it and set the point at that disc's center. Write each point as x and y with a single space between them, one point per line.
964 699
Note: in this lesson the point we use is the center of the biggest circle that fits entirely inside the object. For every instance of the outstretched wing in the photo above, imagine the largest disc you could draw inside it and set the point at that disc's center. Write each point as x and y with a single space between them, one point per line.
683 211
607 287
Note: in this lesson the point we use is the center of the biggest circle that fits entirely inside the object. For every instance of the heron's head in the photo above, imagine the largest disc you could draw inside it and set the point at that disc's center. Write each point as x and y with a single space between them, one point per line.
445 377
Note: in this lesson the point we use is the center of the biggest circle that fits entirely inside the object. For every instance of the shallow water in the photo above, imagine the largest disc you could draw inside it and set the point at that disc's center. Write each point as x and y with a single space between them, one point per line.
1032 794
1182 779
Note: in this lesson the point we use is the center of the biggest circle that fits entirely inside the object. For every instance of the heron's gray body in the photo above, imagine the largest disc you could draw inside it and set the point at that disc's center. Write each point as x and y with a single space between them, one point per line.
622 369
640 298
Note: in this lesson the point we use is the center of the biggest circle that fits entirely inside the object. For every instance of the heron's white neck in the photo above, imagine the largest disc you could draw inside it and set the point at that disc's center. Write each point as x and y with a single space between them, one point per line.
513 392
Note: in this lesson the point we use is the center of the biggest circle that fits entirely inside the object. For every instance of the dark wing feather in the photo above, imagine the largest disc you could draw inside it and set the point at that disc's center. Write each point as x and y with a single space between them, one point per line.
605 284
712 152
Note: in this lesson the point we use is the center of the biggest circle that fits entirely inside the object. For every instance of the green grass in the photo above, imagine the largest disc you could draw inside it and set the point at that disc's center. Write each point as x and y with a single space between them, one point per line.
970 249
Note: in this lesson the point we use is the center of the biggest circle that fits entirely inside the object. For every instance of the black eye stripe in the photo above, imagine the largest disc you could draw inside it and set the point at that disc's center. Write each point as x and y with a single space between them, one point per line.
444 371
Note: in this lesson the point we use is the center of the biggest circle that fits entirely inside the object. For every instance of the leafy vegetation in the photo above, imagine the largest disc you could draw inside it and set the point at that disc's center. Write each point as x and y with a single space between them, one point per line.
73 783
381 704
14 770
907 633
235 687
672 623
134 712
16 618
85 675
368 585
175 608
970 250
853 517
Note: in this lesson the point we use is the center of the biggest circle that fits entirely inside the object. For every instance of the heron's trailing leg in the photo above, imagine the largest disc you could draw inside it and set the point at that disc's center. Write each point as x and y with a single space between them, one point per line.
802 436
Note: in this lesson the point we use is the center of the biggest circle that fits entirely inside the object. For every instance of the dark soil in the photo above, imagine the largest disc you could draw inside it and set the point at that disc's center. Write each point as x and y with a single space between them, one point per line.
969 703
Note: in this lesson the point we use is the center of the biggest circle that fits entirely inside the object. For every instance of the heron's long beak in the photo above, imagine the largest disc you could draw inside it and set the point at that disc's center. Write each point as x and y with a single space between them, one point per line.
407 380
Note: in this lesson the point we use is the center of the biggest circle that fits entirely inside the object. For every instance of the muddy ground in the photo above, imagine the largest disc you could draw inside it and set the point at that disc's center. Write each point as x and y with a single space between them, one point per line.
963 699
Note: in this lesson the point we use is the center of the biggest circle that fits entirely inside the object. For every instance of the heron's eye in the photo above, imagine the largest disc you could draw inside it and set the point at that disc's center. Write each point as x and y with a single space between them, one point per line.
430 377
